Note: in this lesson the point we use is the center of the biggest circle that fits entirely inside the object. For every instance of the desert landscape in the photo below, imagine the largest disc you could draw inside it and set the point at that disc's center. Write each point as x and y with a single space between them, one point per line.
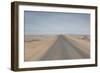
56 47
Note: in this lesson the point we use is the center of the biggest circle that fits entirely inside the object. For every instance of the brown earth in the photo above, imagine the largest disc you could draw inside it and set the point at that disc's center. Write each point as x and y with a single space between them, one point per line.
57 47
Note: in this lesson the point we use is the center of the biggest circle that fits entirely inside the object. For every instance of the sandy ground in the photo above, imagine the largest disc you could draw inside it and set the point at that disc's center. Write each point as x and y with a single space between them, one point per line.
36 47
81 42
56 47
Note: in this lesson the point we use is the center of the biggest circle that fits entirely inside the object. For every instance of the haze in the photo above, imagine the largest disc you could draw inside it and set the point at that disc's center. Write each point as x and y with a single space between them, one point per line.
36 22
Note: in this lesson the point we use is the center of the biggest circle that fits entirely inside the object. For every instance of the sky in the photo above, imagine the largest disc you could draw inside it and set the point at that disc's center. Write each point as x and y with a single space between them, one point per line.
39 22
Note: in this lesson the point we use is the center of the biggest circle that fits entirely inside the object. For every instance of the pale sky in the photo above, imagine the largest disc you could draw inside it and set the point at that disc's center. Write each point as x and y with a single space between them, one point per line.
36 22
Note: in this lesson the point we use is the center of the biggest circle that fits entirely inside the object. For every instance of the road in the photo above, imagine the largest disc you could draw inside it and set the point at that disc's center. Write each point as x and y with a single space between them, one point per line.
63 49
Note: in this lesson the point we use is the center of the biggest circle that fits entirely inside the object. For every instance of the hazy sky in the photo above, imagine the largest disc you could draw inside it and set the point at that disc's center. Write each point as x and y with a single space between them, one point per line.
56 23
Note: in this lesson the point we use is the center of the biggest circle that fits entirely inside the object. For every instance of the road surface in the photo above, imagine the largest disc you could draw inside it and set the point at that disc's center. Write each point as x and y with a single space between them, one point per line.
63 49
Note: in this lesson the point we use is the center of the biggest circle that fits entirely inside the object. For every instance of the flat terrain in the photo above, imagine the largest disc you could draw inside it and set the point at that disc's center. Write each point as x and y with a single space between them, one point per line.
59 47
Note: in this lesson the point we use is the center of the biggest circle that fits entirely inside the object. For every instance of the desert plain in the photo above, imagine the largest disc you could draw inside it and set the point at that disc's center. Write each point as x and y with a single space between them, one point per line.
56 47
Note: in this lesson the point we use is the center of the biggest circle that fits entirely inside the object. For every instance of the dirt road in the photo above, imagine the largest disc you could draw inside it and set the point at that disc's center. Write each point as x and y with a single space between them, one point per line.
64 49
